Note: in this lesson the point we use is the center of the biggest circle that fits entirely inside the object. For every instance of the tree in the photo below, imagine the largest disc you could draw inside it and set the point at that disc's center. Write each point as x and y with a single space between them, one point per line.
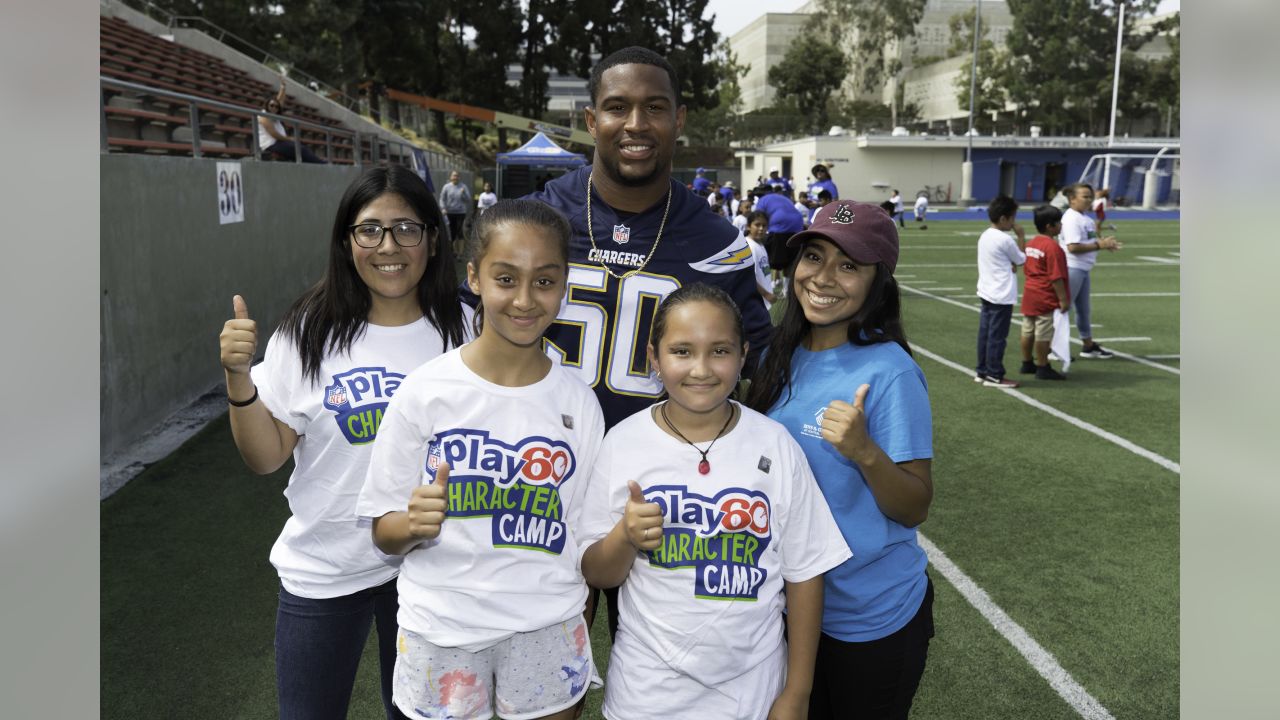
675 29
991 95
1060 61
876 29
712 125
807 75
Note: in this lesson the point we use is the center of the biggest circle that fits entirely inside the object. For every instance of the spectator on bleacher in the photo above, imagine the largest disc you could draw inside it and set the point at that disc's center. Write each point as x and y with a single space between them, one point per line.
487 199
386 305
455 200
272 138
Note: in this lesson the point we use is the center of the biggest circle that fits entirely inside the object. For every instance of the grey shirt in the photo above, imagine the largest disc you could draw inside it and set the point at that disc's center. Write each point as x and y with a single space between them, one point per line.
455 199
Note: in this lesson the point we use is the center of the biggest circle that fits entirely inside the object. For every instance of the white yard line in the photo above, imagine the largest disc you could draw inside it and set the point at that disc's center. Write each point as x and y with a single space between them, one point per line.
1129 445
1135 294
1166 261
1164 357
945 289
1122 339
1041 660
976 308
974 247
1158 263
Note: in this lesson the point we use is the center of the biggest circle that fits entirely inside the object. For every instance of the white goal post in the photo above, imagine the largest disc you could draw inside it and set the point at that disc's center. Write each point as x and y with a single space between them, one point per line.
1147 180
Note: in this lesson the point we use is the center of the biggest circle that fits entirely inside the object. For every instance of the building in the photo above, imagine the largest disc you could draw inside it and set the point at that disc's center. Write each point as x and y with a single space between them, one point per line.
1031 170
932 83
761 45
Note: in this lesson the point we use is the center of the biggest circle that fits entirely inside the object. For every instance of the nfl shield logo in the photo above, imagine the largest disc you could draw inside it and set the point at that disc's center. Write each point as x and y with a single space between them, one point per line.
338 396
621 234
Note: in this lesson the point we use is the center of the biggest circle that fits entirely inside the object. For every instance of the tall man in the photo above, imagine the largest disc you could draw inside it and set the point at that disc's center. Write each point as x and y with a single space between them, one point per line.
637 236
455 201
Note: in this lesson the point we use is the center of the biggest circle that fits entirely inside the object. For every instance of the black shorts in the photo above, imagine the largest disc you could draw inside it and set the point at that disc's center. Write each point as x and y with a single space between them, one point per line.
780 256
875 679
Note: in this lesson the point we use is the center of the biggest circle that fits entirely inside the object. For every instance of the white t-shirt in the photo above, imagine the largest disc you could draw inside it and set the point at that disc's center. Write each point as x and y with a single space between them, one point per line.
897 202
507 559
1078 228
922 205
323 552
486 200
997 254
760 261
740 222
804 211
709 601
265 140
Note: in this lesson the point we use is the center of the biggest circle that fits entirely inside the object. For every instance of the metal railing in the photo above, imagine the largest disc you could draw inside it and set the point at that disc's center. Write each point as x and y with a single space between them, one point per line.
266 57
387 149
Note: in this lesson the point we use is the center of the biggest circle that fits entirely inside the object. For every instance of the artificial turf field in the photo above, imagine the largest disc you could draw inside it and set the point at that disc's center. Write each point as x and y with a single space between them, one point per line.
1055 506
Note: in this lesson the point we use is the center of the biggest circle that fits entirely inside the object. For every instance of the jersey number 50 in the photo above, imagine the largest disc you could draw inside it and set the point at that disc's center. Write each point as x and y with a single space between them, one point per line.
584 318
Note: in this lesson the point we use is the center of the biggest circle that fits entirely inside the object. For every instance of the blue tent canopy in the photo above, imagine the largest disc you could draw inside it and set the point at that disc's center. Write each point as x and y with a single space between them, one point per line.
541 150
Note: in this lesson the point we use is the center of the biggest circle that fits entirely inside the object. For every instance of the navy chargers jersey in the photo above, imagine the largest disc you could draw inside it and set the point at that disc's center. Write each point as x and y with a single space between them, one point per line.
603 328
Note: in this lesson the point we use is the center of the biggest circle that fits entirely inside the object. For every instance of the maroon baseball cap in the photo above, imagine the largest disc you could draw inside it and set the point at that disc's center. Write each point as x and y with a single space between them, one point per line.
862 231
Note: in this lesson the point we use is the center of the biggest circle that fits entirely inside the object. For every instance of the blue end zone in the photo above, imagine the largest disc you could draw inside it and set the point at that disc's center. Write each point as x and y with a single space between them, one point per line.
1024 213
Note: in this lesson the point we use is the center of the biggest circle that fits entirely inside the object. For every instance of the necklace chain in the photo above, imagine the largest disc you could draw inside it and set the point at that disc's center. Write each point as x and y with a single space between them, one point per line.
705 466
652 251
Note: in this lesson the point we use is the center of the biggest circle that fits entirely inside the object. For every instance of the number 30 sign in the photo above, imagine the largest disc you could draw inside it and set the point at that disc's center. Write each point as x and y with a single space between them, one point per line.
230 193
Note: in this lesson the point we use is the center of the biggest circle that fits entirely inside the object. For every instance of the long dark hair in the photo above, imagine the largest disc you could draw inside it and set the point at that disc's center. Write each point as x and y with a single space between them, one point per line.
879 320
329 317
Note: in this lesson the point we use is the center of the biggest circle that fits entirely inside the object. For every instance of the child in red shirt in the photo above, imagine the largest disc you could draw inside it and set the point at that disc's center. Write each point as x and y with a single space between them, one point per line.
1045 291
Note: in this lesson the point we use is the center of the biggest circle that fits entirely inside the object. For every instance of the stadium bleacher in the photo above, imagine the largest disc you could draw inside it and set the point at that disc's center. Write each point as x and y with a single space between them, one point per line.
159 123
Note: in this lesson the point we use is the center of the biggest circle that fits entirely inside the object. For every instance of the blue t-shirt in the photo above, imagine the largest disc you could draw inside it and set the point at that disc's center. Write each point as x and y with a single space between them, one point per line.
821 185
783 216
878 590
700 185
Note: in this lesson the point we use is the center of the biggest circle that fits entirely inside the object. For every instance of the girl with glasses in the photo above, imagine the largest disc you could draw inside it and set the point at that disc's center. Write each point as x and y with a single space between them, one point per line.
386 305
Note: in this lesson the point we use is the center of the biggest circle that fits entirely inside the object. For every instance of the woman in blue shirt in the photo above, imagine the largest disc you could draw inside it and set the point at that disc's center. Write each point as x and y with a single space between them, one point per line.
839 375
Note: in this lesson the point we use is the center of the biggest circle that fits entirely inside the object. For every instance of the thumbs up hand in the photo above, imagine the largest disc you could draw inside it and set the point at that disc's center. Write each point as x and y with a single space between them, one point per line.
845 427
239 339
642 520
428 504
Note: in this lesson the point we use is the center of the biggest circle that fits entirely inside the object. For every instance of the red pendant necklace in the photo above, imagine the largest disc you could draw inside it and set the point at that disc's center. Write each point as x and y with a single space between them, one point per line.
704 466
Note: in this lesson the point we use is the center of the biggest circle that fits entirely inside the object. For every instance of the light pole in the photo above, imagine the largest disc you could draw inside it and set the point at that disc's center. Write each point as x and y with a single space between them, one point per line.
966 169
1115 94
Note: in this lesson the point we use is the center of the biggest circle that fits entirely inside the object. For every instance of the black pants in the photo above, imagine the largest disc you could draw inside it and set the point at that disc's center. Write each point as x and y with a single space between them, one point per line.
876 679
455 230
993 337
593 602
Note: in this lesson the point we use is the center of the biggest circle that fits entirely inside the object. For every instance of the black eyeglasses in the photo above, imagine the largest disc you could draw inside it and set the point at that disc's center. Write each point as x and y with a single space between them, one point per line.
371 235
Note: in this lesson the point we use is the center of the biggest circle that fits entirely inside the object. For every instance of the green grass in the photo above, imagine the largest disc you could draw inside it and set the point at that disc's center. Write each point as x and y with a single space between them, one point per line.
1072 536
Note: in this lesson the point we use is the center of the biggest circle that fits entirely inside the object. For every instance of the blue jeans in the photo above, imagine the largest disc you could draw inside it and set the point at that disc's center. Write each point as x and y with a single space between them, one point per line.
284 149
993 335
318 648
1078 286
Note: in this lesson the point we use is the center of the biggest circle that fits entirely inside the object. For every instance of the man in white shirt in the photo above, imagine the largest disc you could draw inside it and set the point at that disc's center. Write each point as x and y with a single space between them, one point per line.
1080 239
998 259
